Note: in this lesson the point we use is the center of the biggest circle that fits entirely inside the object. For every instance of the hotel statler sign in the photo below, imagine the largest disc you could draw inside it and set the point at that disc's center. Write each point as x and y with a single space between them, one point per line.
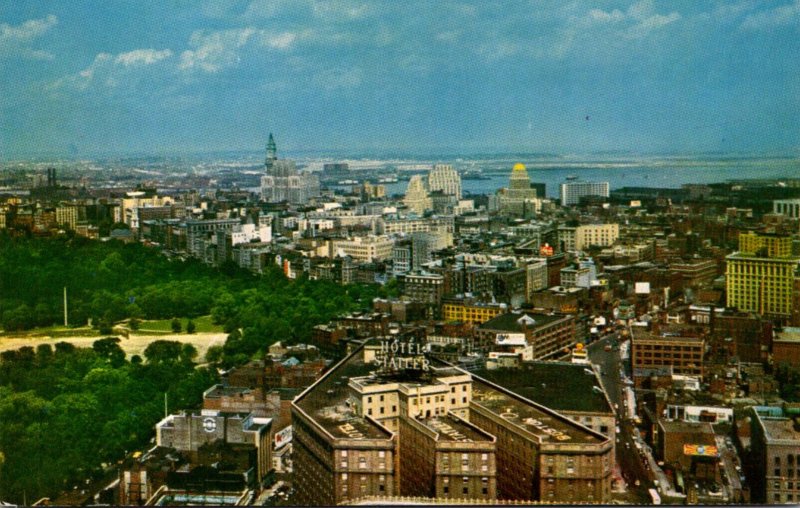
395 354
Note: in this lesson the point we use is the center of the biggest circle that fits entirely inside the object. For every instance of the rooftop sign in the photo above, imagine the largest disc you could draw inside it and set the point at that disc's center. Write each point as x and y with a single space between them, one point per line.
397 355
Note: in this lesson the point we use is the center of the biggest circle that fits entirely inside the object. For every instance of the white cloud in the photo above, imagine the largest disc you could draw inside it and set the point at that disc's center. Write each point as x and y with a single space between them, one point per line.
651 23
448 36
142 57
214 51
280 41
14 39
346 10
783 15
28 30
639 20
641 10
601 16
109 69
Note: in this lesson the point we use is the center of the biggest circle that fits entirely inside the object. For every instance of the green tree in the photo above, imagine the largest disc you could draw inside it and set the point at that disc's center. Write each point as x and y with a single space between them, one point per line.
176 325
214 354
163 352
190 328
110 350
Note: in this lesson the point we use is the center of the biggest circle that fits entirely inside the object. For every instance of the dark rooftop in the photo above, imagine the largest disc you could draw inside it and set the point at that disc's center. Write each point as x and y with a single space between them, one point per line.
560 386
509 322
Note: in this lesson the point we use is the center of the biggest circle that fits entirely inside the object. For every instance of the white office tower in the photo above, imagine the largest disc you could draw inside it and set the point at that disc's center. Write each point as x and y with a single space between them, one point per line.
417 199
572 192
283 182
446 179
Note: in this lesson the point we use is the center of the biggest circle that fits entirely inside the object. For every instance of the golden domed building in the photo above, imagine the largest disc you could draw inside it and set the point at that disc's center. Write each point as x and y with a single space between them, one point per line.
519 199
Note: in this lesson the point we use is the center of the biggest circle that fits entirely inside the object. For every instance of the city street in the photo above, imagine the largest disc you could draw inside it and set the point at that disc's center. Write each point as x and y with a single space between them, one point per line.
628 457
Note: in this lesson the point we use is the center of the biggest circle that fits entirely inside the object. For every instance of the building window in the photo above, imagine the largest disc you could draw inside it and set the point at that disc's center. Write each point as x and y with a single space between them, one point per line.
369 411
381 454
369 400
381 398
394 409
453 401
381 409
452 389
344 476
446 489
362 463
777 471
464 400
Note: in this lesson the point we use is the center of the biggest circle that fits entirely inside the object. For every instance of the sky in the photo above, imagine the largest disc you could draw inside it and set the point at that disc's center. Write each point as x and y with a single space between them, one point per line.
80 77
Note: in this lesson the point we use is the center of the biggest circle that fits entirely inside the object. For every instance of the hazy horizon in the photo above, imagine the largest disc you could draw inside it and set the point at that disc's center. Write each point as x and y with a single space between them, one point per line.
651 77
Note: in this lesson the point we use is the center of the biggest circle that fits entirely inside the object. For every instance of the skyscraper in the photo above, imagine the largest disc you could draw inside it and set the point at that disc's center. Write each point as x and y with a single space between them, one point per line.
446 179
519 199
417 199
572 192
760 277
283 182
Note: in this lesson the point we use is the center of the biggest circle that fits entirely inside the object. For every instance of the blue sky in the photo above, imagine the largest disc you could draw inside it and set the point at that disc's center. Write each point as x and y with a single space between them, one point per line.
181 76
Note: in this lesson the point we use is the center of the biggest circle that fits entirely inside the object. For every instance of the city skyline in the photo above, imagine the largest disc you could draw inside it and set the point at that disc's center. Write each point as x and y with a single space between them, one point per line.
642 77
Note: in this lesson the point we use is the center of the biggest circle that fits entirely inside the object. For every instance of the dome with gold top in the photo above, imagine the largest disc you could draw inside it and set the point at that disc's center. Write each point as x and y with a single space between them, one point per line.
519 166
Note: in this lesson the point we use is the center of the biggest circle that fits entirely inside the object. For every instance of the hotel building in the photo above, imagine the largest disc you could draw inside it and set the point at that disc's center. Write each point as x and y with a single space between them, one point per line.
387 421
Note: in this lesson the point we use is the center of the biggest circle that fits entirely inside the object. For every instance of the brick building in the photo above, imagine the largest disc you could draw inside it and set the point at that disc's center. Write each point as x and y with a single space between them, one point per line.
387 424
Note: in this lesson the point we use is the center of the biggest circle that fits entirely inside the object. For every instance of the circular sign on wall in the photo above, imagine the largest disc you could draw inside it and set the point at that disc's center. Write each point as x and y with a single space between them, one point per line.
209 424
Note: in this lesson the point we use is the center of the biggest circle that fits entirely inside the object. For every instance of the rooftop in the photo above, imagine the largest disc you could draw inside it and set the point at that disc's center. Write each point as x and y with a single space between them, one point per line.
546 425
510 322
326 402
640 336
778 429
789 334
561 386
455 429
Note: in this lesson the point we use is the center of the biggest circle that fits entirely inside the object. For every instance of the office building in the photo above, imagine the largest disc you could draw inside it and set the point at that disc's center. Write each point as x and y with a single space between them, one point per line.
417 199
518 199
283 182
364 248
575 238
445 179
775 445
468 310
544 335
571 192
684 354
760 276
787 207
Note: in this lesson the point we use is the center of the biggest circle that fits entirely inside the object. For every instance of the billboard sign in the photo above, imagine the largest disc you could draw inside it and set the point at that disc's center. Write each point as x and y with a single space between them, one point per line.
700 450
283 436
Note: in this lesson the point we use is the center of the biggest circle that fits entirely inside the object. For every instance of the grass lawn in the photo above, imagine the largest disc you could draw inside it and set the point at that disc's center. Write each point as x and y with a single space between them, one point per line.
53 331
202 324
